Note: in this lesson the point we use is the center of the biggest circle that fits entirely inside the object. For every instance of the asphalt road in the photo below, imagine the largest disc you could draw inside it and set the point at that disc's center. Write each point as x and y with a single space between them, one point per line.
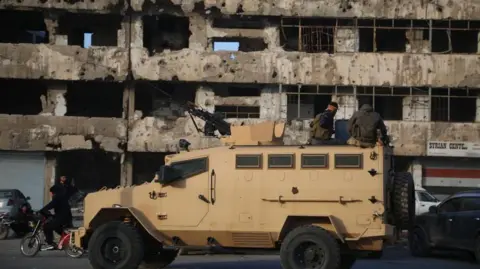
394 258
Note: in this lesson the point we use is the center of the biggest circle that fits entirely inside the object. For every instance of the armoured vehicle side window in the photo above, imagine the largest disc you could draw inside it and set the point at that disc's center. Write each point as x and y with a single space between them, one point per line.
314 160
348 160
248 161
281 161
191 167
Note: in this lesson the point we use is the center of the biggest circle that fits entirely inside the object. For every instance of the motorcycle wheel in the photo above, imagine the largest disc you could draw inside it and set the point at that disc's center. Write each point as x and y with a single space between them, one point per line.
73 252
4 231
30 245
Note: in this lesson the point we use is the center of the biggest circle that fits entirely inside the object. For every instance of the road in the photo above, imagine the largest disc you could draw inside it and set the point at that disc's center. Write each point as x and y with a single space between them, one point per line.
394 258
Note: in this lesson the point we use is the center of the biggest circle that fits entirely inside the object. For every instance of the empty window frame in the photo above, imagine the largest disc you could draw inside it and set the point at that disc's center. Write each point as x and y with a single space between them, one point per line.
348 160
190 168
248 161
314 160
281 161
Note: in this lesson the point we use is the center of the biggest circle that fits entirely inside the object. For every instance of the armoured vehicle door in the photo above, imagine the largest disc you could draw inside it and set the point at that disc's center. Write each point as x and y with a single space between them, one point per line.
184 201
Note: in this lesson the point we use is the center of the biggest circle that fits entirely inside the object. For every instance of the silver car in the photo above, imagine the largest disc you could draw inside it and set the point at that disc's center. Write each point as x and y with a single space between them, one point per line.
11 202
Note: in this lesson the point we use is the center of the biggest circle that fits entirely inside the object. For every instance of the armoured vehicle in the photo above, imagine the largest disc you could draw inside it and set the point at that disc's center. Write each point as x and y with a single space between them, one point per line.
318 206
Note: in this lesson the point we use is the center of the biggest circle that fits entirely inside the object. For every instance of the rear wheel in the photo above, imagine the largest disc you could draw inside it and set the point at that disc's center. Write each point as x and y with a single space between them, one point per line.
4 231
73 251
310 247
403 200
30 245
115 245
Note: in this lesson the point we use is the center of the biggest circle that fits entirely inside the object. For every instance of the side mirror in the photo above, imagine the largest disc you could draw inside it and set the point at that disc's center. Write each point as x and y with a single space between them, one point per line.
167 174
28 198
433 209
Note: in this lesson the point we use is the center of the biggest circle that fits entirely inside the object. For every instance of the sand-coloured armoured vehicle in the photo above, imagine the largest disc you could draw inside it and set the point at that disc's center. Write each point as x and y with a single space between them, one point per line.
318 206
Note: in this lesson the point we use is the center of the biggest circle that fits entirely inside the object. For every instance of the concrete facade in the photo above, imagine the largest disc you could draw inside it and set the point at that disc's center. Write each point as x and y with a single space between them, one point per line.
416 62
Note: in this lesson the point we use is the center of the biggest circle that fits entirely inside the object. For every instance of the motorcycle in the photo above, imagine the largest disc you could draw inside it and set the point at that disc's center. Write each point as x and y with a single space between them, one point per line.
32 243
20 224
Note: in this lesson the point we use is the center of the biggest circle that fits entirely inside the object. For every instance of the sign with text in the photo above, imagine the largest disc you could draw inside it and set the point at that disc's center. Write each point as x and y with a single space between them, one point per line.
453 149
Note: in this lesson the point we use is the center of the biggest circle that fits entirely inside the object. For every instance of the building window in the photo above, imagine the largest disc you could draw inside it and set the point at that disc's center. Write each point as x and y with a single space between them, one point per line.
248 161
191 168
348 160
314 160
281 161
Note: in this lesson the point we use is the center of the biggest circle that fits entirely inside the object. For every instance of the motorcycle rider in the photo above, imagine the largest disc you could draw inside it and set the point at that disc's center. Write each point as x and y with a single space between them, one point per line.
62 217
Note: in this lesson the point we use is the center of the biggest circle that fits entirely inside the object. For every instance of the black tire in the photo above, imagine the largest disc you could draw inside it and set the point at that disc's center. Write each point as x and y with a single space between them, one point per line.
113 239
418 243
347 261
159 261
318 239
403 200
4 231
30 245
476 251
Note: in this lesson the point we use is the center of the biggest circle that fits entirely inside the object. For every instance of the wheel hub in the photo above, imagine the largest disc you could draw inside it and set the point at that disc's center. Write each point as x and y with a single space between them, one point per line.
113 251
309 255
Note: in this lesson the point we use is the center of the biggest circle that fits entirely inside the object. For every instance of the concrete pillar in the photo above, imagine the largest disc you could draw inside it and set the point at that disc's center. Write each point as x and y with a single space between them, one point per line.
416 108
198 28
135 37
272 38
128 114
417 173
477 115
271 104
54 103
347 105
49 175
51 22
347 40
205 98
126 169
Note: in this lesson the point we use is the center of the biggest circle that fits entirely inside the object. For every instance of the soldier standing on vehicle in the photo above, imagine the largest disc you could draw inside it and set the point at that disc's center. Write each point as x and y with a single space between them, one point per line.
363 126
322 126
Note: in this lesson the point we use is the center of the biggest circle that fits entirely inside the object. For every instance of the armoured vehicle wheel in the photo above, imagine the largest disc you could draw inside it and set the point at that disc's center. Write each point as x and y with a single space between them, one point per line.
310 246
403 200
418 243
159 261
115 245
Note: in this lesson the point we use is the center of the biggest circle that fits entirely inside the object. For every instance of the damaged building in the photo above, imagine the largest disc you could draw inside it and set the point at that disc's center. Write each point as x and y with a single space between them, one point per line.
94 89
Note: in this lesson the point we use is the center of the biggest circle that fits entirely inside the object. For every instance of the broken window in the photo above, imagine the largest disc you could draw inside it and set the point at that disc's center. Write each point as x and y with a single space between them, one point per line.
223 90
242 22
163 99
165 32
445 104
239 112
245 44
94 99
146 164
455 36
386 101
22 27
21 97
90 29
307 101
90 170
311 35
383 35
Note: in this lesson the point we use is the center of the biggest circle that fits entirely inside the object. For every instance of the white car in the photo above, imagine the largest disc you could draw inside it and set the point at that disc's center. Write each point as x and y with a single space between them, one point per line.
423 201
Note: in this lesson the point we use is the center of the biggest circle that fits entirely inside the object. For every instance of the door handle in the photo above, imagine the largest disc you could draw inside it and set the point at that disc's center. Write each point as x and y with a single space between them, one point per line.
450 220
213 182
477 218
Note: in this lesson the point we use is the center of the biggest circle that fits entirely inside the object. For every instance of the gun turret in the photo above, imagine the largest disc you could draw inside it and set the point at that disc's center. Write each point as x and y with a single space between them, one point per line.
212 121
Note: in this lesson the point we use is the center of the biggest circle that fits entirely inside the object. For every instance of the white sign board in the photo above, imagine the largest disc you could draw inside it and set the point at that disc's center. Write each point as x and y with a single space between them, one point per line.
453 149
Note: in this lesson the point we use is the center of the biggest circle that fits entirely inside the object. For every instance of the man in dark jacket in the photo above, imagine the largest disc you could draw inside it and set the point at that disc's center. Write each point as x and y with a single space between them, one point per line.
62 217
363 126
322 126
69 187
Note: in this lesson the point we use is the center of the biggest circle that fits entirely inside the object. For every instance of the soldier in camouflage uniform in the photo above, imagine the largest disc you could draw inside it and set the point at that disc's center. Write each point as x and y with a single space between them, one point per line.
363 126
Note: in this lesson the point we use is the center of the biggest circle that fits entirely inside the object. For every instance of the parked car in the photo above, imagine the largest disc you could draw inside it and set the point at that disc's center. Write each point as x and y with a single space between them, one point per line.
12 200
423 201
452 225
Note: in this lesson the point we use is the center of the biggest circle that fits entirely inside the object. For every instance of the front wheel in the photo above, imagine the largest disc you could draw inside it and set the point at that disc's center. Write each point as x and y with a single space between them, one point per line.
73 252
4 231
30 245
115 245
